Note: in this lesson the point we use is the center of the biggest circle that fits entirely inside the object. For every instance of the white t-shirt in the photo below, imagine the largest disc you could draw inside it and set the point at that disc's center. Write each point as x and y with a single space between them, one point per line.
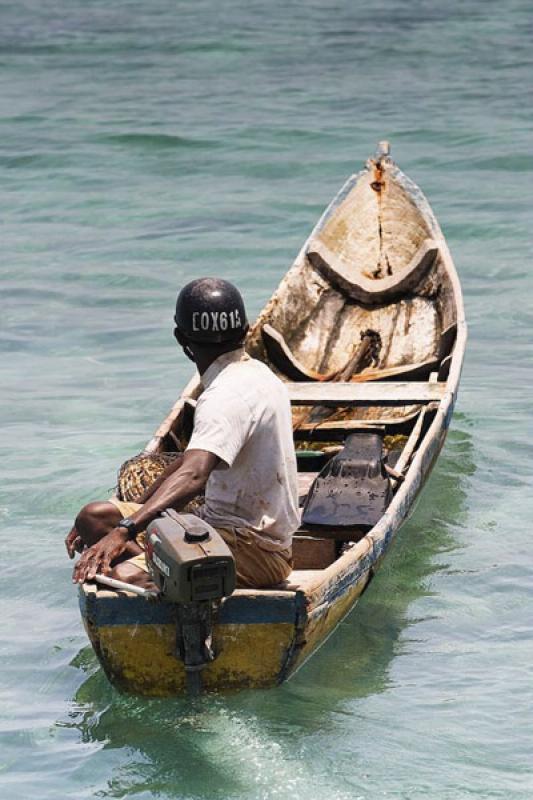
244 417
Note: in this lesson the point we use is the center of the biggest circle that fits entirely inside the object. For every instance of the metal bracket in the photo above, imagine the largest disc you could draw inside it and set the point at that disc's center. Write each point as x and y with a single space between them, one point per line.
194 641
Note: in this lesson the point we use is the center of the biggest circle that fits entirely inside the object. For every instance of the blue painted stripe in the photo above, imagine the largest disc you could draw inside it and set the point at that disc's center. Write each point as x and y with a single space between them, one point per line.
123 610
265 608
339 588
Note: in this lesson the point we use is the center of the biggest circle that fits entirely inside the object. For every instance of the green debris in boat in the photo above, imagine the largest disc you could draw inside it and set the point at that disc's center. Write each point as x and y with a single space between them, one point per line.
394 442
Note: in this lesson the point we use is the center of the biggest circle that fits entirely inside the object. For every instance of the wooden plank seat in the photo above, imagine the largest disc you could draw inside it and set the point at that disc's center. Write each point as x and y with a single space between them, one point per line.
365 394
283 359
348 277
337 430
302 580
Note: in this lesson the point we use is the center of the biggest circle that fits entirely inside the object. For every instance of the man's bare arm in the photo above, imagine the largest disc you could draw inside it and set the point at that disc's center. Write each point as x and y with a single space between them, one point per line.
179 487
167 472
175 492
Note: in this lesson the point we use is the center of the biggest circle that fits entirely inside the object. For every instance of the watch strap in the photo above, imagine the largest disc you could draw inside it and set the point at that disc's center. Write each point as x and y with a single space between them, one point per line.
130 526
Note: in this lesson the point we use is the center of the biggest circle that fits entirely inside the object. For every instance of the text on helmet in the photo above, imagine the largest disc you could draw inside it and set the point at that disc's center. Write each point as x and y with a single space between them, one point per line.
216 320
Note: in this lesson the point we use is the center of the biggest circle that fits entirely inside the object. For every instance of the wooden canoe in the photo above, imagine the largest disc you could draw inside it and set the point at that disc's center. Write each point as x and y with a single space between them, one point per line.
376 261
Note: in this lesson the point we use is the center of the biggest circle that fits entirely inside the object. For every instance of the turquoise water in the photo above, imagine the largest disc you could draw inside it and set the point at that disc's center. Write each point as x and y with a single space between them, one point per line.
143 144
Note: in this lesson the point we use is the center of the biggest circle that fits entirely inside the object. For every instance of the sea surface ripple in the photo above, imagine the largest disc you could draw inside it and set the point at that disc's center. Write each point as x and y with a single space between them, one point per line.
143 144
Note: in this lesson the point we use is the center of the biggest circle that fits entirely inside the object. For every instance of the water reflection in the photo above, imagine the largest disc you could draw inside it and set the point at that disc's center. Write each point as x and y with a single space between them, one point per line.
225 744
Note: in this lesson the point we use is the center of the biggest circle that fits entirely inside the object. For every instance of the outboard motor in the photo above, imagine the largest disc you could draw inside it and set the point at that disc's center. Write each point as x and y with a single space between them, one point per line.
193 567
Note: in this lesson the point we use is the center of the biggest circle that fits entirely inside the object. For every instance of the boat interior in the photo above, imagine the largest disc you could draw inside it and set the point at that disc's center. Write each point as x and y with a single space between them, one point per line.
375 456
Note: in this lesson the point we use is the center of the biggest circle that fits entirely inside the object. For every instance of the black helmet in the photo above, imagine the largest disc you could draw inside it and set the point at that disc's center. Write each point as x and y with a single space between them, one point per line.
211 310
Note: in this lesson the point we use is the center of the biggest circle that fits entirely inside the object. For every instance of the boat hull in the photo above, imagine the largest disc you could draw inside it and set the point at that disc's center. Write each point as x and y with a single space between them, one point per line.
135 641
261 638
260 652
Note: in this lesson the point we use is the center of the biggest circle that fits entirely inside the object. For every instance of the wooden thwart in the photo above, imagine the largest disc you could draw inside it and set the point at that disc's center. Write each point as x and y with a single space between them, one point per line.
350 280
281 356
365 394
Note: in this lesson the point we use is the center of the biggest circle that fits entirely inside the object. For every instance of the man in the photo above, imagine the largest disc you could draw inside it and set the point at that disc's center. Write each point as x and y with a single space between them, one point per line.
241 451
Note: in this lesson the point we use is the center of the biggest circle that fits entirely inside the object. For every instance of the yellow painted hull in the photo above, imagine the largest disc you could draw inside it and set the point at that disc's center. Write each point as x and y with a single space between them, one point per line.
140 659
260 637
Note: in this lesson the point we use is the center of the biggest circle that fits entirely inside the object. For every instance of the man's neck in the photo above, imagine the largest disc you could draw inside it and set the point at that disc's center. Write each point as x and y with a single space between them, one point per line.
204 357
204 362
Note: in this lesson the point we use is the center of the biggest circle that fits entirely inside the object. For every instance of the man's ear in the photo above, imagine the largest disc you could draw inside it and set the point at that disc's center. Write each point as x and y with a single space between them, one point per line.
183 342
241 341
179 337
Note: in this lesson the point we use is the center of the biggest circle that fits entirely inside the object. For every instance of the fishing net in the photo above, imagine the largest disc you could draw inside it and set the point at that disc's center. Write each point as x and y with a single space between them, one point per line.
137 474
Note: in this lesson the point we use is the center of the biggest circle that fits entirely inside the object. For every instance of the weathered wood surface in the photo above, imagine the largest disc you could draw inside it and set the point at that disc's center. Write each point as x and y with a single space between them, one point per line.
337 426
310 552
381 226
356 285
281 357
409 448
363 394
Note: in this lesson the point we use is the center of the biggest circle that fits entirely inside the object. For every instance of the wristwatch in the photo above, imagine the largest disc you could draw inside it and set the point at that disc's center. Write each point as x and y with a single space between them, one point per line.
130 526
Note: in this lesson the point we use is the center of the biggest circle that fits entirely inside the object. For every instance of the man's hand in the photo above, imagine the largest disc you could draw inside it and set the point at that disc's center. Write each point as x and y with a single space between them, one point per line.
98 558
184 482
73 543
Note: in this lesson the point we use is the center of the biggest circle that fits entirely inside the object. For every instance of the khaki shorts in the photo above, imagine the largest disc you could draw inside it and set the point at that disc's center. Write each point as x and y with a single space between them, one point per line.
256 568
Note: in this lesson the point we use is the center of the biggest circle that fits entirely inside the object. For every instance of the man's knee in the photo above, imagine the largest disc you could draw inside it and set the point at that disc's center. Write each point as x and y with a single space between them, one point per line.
123 572
96 520
130 573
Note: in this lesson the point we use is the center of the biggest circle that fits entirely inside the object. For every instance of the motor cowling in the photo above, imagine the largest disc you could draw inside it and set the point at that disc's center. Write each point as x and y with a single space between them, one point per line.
189 560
